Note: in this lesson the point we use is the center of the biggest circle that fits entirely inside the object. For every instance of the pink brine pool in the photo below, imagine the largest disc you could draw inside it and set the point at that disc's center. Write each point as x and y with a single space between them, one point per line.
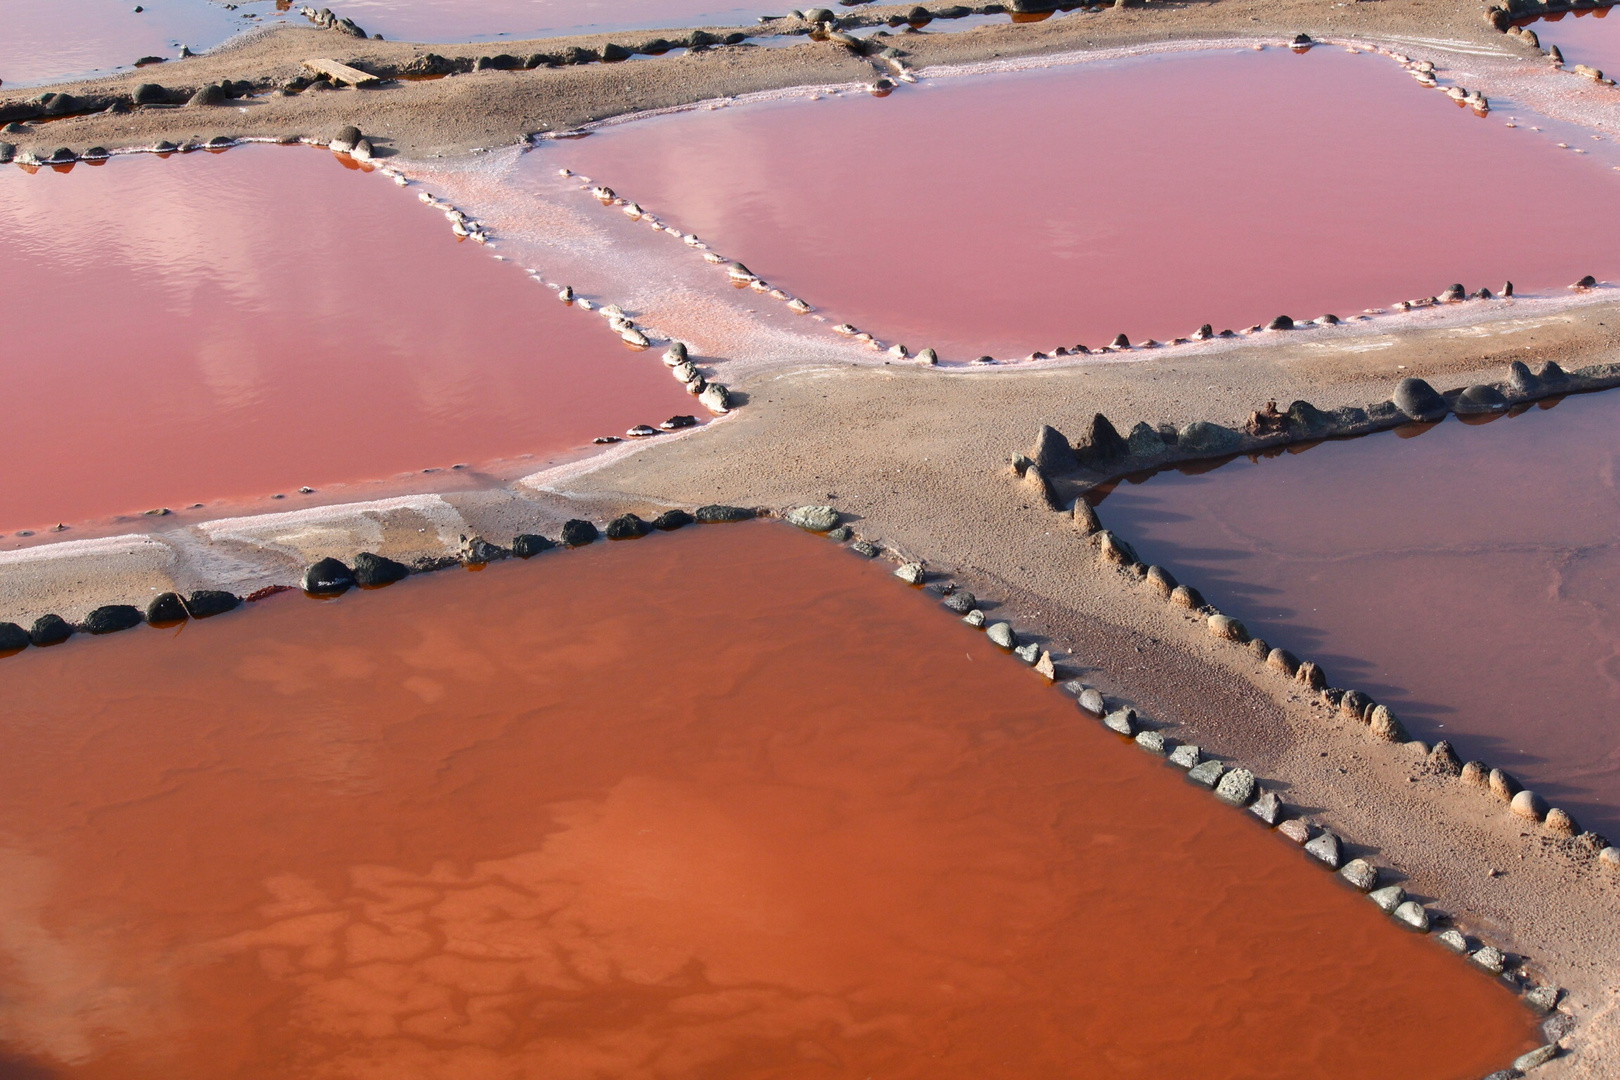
1467 577
221 326
1584 37
1006 213
460 20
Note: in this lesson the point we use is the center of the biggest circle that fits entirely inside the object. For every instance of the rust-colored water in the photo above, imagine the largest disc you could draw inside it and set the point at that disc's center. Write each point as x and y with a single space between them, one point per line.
724 803
1584 37
1027 211
241 324
1468 577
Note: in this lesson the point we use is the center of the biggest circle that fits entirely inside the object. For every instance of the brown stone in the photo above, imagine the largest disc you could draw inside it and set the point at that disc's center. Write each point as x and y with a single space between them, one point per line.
1476 774
1085 518
1503 786
1284 661
1559 823
1310 675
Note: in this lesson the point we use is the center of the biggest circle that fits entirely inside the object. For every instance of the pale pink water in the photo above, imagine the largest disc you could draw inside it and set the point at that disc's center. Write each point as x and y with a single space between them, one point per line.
459 20
48 40
1016 212
1584 37
236 325
1468 577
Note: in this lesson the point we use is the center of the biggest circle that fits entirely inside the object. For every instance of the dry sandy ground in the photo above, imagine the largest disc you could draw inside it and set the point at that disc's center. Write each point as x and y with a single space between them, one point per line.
918 460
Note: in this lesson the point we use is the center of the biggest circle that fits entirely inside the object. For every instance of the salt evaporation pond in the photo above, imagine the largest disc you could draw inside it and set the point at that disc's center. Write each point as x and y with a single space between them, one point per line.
45 41
237 325
485 20
1468 578
1584 37
1007 213
522 824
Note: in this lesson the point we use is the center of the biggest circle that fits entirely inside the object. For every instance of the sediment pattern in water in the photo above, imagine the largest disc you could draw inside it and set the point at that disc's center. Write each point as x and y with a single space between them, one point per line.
1016 212
730 803
1467 576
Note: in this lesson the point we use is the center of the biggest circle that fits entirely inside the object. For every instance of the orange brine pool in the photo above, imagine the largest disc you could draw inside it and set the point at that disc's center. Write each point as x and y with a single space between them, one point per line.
726 803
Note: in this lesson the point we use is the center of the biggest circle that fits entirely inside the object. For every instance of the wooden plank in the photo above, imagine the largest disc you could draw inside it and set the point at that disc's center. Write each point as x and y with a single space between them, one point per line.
340 72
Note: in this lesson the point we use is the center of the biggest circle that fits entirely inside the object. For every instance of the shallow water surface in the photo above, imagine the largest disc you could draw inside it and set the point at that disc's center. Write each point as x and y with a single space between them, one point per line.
1008 213
1468 577
459 20
49 40
1584 37
593 816
241 324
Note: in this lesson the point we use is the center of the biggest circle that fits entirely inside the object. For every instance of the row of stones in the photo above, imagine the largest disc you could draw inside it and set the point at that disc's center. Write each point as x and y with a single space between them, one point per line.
331 576
1104 453
1231 783
1504 15
1381 723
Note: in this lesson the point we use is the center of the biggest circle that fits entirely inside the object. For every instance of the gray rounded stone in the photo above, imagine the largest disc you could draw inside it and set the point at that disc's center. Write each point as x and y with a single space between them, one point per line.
974 618
1453 940
1028 653
1536 1058
961 601
1326 850
1543 999
1418 400
1122 721
1480 399
1151 741
1002 634
1491 959
1412 914
1201 437
1236 788
911 573
1207 773
1186 756
1360 873
813 518
1092 701
1388 898
1268 808
1527 804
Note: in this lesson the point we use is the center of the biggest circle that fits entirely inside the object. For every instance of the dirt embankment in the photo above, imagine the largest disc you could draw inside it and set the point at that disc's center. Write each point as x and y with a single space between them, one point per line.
492 107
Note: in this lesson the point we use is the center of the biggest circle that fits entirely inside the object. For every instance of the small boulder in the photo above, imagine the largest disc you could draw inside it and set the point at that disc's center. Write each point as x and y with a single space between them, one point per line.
1418 400
1227 628
1085 518
149 94
1478 399
1543 999
1551 373
373 571
1046 666
1052 452
1151 741
1559 823
1281 322
1002 634
12 637
1311 675
1411 913
972 618
1360 873
1385 726
871 551
1091 700
1029 653
1236 788
208 95
1268 808
911 573
842 534
1186 596
1039 487
1206 773
1297 830
1122 721
1101 444
476 551
1443 759
1491 959
577 533
1202 437
166 608
1355 705
1144 441
719 514
1185 756
1303 418
1160 581
1281 660
50 630
961 601
328 577
1327 850
528 545
716 398
1520 378
112 618
1388 898
1112 549
627 527
1527 804
1453 940
1454 293
1536 1058
1587 282
1475 774
1503 785
813 518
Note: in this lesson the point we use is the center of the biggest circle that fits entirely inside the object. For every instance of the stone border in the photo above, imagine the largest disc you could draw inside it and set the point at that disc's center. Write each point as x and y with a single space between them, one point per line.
1227 780
1510 17
1230 782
